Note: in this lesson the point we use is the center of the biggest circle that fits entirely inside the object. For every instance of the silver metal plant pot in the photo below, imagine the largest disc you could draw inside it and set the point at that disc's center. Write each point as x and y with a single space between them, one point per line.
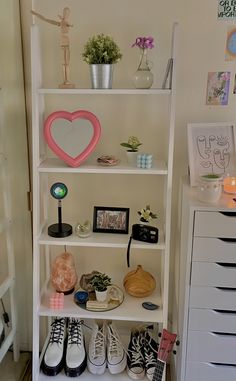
101 76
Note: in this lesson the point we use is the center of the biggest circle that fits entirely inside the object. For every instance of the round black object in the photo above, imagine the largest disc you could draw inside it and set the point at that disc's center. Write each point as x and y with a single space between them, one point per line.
60 230
59 191
150 306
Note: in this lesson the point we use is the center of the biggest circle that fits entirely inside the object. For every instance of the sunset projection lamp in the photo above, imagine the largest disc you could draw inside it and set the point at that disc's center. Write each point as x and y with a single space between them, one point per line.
59 230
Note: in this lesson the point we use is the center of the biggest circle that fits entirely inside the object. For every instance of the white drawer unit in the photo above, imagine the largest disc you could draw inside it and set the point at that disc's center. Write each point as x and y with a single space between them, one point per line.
207 292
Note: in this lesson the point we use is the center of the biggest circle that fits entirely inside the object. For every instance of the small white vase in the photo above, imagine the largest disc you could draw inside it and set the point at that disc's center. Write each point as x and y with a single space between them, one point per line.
209 189
132 158
101 296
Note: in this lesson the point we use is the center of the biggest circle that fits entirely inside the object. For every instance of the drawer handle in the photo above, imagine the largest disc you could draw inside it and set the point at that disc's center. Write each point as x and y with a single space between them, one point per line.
225 312
226 289
228 214
217 364
223 334
227 240
226 264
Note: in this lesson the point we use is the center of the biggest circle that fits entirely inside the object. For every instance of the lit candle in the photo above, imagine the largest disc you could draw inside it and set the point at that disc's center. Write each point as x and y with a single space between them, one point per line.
230 184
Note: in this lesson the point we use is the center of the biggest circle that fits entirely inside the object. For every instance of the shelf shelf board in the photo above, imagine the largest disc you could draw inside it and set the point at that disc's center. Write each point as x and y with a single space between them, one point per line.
102 240
105 91
86 376
130 310
52 165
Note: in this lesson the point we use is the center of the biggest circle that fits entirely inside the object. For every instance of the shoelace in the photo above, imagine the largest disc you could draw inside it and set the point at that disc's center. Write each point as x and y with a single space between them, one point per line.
98 349
57 334
74 332
149 355
115 343
136 355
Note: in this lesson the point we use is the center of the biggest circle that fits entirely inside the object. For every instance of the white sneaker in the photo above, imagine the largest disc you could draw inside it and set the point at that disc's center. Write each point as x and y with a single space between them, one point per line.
97 354
75 352
116 356
2 332
53 359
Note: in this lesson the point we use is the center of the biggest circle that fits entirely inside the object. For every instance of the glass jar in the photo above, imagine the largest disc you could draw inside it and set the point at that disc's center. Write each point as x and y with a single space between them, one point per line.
143 77
209 188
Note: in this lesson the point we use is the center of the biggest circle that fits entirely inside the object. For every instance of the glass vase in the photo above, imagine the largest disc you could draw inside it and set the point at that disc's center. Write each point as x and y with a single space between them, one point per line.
143 77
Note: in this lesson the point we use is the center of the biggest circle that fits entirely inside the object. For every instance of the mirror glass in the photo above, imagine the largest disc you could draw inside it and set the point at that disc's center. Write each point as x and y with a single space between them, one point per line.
72 137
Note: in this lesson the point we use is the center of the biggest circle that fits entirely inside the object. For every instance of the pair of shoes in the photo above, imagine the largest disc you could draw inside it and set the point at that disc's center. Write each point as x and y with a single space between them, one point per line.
142 355
106 349
65 349
2 332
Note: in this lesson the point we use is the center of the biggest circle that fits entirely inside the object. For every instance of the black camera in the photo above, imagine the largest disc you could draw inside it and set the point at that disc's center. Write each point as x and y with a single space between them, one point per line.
145 233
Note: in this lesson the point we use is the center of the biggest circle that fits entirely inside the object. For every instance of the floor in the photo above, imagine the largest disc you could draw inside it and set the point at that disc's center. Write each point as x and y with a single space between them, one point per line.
16 371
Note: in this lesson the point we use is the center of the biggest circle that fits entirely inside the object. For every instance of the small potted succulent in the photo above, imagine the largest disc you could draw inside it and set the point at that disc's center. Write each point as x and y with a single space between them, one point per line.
132 147
101 52
146 215
100 282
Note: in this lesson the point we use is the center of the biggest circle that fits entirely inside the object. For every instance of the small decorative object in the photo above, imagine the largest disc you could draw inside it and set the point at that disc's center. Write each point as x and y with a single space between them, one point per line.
150 306
101 52
218 88
229 184
57 301
89 133
63 273
110 220
107 161
64 25
132 146
81 296
209 188
211 149
100 282
59 230
83 230
146 215
143 78
139 283
85 281
231 44
144 161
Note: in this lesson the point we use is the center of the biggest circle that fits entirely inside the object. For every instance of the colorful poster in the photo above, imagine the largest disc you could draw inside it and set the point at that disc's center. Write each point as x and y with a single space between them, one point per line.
230 51
226 9
218 88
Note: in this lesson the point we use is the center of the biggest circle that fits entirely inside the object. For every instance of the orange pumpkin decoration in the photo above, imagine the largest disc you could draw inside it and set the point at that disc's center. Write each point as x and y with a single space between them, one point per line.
139 283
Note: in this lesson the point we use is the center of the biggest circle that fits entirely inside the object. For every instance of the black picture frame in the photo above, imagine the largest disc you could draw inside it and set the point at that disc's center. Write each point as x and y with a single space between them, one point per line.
110 220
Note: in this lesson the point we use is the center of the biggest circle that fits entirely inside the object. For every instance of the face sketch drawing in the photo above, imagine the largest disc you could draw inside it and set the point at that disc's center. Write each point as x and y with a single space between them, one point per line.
213 151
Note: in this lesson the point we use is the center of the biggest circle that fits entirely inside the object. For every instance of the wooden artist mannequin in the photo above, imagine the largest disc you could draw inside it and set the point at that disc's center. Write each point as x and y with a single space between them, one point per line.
64 25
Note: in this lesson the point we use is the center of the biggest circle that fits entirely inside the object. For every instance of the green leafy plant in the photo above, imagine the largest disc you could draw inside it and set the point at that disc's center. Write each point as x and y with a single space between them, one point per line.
101 49
100 282
132 144
146 215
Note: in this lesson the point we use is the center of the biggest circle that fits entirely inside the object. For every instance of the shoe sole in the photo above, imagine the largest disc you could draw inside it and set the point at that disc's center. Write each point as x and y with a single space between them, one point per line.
52 371
135 376
96 369
75 372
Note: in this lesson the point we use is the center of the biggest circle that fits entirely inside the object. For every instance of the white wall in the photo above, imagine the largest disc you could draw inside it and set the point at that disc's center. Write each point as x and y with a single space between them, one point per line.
15 147
201 49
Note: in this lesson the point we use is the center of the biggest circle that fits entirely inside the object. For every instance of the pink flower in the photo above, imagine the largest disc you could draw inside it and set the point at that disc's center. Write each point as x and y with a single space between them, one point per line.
144 42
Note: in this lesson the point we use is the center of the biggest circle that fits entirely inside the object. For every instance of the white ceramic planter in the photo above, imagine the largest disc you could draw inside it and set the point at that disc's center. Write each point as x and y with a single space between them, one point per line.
132 158
101 296
209 189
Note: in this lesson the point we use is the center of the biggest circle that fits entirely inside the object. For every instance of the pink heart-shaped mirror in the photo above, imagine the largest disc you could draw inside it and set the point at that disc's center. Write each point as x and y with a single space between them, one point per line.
72 136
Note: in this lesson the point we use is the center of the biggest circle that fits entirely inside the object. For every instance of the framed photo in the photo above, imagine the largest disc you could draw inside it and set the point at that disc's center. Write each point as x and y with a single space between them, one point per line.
211 149
110 220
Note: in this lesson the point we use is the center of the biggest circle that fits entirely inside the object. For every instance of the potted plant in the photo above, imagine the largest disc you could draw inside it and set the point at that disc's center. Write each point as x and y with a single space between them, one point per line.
101 52
100 282
132 146
146 215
